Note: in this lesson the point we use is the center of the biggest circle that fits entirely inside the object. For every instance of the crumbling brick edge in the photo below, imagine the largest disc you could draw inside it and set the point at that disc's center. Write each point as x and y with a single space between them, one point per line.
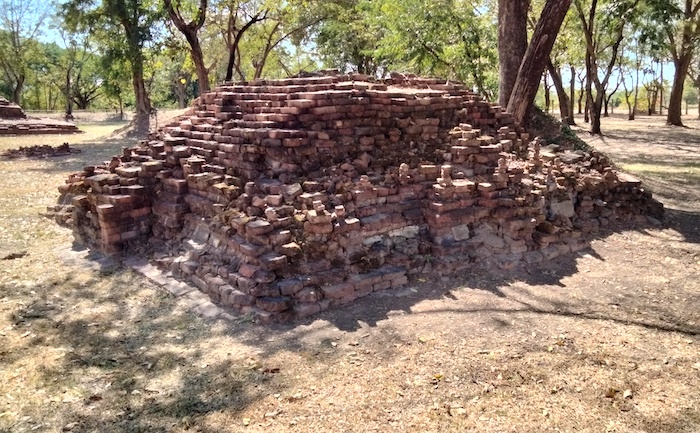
188 295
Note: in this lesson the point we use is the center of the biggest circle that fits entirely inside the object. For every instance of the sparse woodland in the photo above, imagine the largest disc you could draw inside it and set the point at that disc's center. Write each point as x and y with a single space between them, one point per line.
585 56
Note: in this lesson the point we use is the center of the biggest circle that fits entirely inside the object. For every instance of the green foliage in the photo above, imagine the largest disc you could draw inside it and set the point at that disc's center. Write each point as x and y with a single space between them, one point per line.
690 93
455 39
20 25
350 40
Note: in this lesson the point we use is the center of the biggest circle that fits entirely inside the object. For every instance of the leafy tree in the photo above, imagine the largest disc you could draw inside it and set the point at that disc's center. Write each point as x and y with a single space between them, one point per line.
20 24
349 40
675 26
123 28
630 67
449 38
117 79
42 77
293 22
603 31
242 15
189 19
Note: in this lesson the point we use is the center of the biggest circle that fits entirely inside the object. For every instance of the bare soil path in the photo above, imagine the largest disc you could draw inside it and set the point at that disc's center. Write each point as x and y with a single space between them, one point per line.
603 341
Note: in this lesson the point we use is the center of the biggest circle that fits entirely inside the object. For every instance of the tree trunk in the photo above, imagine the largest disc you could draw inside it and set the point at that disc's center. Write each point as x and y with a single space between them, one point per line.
181 93
582 82
606 103
143 102
674 115
190 30
69 97
654 98
512 44
535 60
17 90
564 102
589 93
121 107
628 94
547 99
633 109
661 89
596 109
199 66
572 89
260 16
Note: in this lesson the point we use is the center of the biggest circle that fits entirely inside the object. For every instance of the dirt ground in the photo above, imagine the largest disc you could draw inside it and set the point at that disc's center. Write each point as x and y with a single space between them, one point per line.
602 341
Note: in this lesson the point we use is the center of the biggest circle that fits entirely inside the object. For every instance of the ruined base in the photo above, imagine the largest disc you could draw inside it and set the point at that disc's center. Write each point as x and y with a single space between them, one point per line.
35 126
283 198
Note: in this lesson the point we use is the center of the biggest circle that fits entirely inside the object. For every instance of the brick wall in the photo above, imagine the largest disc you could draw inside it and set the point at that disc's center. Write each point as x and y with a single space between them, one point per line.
286 197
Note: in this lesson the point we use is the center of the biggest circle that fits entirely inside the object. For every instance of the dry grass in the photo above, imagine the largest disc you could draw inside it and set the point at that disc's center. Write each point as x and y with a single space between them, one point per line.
605 341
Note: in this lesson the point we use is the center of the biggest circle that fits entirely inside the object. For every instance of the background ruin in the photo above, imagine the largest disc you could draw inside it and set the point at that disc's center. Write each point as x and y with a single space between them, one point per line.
13 121
285 197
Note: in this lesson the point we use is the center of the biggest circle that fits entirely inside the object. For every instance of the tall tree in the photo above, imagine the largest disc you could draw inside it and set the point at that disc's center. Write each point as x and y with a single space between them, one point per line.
567 54
189 27
20 24
523 95
629 70
290 24
603 37
564 102
677 27
512 44
124 28
242 16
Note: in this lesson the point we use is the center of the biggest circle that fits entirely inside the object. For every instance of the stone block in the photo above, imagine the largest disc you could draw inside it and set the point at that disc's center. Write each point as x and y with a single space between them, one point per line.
274 304
564 208
306 309
308 294
460 232
338 291
290 286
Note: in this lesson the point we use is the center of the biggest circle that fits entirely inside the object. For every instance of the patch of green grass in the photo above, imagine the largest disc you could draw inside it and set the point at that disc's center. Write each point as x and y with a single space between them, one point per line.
688 172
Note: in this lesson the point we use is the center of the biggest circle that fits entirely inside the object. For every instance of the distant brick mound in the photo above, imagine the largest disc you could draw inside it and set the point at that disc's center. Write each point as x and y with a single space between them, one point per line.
285 197
10 111
13 121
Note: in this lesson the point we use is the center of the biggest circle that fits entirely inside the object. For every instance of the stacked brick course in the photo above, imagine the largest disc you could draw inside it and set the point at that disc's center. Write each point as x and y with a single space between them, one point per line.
285 197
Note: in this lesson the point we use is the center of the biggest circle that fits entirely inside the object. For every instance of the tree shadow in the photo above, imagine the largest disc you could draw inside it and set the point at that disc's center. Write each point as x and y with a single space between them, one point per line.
153 367
144 364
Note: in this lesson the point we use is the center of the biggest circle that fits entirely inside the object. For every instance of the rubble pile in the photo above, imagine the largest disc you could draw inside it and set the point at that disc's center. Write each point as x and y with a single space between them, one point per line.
39 151
286 197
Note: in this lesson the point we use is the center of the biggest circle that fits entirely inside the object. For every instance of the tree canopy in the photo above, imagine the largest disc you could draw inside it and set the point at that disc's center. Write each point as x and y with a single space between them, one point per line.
135 54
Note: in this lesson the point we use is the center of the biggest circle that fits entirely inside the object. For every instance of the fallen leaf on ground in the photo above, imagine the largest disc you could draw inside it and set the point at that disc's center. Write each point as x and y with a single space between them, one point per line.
611 392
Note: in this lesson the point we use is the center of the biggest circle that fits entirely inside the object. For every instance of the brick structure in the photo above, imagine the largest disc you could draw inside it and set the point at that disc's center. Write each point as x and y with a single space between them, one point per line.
13 121
286 197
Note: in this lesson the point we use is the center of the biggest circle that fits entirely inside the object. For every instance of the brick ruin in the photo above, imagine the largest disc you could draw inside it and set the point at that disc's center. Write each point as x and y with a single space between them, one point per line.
13 121
283 198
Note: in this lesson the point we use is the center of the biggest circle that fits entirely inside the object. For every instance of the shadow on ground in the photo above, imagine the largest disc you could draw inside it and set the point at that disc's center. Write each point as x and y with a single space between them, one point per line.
143 363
